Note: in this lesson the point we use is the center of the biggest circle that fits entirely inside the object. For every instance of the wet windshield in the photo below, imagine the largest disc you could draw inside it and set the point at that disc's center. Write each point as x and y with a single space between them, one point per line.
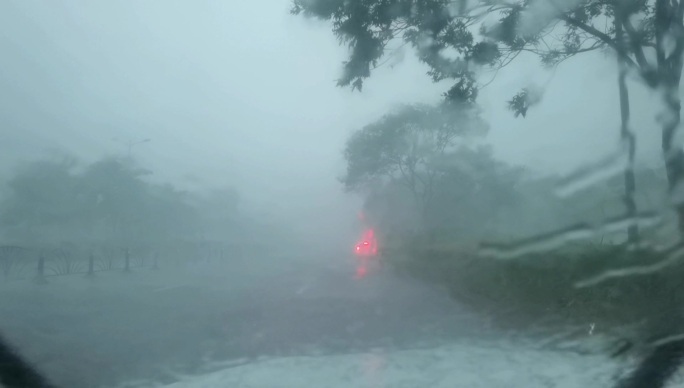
340 193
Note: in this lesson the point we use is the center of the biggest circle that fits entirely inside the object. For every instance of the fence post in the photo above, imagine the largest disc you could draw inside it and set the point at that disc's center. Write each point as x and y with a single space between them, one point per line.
40 270
91 265
128 261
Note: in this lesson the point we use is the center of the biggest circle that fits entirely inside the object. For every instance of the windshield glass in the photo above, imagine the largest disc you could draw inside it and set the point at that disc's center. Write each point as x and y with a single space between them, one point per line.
376 193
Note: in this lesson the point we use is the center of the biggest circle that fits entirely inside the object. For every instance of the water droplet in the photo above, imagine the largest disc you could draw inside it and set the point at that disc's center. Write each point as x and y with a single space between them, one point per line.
671 256
556 239
593 173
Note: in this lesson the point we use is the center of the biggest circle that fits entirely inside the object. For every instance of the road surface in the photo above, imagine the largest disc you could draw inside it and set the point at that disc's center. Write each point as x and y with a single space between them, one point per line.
156 325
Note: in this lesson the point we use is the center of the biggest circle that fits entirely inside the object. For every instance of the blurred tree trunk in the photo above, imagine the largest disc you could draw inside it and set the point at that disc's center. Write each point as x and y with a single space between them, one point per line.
626 134
669 39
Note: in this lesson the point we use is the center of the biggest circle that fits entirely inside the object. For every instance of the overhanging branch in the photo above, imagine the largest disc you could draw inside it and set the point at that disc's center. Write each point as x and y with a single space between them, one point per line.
634 42
601 36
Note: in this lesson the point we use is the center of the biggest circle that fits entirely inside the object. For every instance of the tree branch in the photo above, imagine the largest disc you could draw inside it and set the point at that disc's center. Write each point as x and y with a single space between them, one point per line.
601 36
406 178
634 42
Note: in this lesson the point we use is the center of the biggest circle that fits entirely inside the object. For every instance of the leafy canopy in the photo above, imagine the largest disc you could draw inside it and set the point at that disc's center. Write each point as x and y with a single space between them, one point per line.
458 38
407 143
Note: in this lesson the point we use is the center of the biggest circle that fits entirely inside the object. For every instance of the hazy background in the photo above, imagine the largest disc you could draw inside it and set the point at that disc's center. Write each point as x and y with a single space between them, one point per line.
242 94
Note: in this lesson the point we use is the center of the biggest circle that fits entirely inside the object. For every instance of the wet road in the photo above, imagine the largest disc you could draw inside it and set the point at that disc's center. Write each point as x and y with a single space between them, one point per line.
154 325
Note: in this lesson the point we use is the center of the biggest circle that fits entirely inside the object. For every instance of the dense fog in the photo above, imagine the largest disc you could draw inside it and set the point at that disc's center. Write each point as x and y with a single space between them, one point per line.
183 185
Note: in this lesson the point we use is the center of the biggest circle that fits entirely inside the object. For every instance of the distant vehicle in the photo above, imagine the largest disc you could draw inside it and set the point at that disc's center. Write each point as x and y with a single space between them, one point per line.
368 246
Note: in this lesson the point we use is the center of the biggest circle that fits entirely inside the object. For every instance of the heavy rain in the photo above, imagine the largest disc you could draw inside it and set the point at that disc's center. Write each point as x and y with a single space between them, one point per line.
341 193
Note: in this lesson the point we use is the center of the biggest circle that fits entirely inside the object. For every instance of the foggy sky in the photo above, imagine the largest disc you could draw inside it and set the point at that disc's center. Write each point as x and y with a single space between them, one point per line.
241 93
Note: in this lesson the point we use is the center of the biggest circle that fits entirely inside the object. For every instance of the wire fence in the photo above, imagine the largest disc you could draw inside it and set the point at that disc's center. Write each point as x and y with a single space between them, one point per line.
42 262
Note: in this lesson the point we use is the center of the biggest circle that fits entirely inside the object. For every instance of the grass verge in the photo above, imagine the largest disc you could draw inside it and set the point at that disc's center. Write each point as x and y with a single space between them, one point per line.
540 290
